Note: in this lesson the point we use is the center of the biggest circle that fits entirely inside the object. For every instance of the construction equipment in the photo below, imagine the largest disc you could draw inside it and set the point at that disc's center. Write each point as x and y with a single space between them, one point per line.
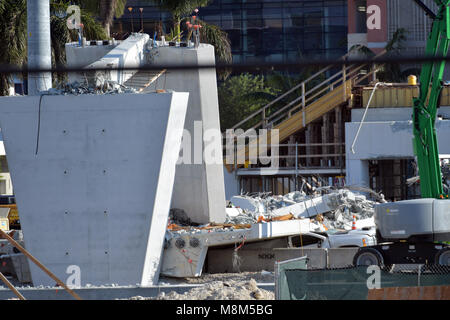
13 216
9 201
414 231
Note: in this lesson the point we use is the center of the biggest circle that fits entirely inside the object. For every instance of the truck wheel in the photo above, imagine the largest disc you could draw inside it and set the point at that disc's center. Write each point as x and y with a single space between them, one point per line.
368 257
443 257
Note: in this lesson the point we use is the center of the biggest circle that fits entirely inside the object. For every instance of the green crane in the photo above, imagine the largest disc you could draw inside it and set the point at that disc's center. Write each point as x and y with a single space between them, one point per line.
417 231
424 113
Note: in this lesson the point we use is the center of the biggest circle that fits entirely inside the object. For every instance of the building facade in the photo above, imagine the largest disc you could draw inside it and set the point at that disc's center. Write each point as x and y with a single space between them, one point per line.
374 22
261 30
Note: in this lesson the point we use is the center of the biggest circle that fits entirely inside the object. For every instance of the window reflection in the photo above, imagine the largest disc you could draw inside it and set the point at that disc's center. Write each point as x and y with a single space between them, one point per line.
265 30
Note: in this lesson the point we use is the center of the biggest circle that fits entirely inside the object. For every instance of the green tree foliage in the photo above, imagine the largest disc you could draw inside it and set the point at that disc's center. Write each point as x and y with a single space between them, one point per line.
13 37
182 10
179 10
13 34
390 72
105 10
236 100
280 83
222 46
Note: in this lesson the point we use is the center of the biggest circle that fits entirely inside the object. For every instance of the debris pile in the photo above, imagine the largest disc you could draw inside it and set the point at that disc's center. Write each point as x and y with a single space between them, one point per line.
218 290
332 210
102 87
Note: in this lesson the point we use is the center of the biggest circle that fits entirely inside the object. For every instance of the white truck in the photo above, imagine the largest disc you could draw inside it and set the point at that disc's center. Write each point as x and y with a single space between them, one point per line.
335 239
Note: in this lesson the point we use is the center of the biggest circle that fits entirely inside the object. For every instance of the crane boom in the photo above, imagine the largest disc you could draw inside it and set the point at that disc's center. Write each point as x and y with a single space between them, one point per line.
417 231
425 106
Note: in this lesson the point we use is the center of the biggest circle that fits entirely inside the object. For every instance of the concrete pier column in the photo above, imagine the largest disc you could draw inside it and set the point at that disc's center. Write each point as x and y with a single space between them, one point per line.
199 182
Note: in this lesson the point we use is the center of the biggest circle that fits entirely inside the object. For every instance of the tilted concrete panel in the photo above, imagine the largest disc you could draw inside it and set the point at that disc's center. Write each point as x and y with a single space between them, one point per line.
93 178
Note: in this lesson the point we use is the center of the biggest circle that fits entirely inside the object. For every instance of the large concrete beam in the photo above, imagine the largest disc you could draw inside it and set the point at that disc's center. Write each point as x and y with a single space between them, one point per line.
129 53
93 178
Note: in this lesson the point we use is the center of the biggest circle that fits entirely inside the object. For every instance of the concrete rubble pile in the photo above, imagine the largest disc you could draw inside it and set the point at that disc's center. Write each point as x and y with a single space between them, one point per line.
102 87
180 223
332 210
218 290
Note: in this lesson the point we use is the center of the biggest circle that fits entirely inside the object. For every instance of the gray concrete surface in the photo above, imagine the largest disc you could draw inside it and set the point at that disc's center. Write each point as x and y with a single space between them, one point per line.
82 56
129 53
93 178
341 257
392 114
199 186
317 258
258 258
251 257
383 140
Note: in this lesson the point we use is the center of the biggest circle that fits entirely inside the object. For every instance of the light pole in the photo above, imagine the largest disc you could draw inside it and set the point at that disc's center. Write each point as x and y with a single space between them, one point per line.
142 19
131 14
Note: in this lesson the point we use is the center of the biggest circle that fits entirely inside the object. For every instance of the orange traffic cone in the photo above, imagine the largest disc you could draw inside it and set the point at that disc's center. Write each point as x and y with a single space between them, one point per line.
354 223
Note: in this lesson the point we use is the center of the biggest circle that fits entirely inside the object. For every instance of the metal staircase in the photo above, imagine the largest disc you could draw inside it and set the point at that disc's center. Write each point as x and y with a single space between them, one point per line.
310 104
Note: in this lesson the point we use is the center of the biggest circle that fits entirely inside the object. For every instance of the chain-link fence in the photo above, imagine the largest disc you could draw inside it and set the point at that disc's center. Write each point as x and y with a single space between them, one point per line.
296 282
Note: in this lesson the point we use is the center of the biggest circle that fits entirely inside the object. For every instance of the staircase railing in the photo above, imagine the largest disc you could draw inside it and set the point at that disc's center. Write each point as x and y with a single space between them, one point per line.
266 117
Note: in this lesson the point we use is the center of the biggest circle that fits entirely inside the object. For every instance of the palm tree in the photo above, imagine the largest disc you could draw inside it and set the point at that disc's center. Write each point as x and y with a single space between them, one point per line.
180 9
222 46
391 71
13 35
105 10
60 34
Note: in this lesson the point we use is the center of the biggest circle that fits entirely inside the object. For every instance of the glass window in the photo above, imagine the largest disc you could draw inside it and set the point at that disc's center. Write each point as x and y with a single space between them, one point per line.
254 41
265 29
254 23
313 40
361 16
273 39
273 23
235 38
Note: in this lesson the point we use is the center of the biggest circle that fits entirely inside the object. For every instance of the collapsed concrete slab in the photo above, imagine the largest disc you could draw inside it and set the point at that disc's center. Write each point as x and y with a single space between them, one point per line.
128 53
93 178
185 251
